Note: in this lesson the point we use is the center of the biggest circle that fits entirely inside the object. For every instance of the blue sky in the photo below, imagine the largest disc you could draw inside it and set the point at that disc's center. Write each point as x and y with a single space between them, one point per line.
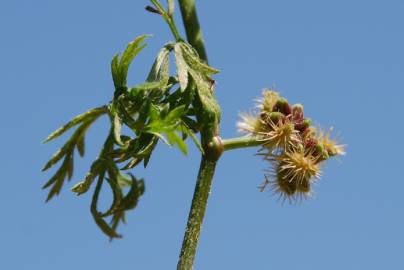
343 60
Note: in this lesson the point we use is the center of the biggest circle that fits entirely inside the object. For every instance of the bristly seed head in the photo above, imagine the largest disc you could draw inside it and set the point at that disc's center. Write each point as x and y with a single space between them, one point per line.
331 145
293 174
293 147
249 124
268 100
280 135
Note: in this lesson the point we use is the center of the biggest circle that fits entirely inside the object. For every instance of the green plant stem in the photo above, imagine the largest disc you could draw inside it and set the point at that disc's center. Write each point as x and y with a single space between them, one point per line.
196 214
241 142
168 18
192 28
211 151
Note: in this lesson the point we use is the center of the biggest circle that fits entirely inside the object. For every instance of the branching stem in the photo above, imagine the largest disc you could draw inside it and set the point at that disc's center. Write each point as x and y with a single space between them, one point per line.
168 18
213 148
209 159
241 142
192 27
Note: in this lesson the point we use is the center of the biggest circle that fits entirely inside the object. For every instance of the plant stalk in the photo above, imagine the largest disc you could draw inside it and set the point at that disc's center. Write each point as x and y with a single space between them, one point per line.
196 214
241 142
168 18
209 158
192 27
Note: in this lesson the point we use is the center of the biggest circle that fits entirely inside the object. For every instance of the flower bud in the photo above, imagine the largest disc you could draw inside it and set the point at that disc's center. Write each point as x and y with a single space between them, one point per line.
275 117
330 145
294 172
306 124
321 152
297 112
269 99
282 106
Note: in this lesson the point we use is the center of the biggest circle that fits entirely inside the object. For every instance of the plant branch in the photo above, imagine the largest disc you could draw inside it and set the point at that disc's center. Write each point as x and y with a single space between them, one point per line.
241 142
167 16
196 214
192 27
212 151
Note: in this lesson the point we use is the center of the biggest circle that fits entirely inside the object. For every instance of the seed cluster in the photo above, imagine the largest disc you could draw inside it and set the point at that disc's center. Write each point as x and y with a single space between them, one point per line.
294 148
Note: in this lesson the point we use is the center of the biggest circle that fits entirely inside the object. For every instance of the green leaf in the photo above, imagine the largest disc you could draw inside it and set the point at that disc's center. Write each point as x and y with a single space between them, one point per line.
182 66
120 65
193 61
68 147
69 167
88 115
102 224
58 178
124 180
128 55
105 228
83 186
81 145
116 196
210 112
148 86
132 197
175 115
60 174
174 139
191 134
117 126
132 164
157 79
55 190
116 73
189 64
57 156
160 69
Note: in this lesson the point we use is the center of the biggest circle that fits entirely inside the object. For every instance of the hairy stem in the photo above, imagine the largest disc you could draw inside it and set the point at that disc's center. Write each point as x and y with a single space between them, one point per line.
168 18
192 28
212 151
196 214
241 142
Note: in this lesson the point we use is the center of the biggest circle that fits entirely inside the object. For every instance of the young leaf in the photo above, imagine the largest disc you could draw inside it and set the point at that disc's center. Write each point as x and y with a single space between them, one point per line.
117 126
93 113
105 228
116 73
128 55
175 114
182 67
192 59
148 86
83 186
81 145
189 64
96 215
68 147
160 68
132 197
58 179
191 134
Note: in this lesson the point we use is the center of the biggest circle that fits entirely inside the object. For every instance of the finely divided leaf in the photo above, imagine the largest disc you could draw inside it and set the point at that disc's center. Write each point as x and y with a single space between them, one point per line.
160 68
117 126
129 54
182 67
120 66
93 113
193 60
189 64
